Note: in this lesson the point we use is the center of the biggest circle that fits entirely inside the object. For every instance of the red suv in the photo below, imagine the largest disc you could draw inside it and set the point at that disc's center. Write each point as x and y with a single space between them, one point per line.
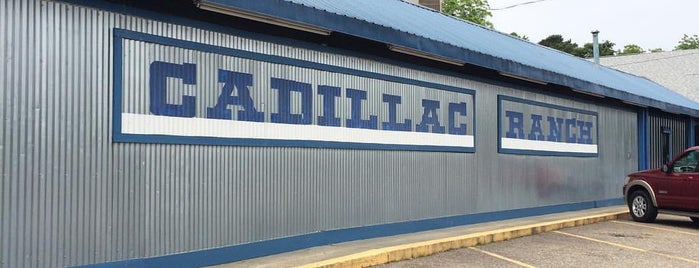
672 189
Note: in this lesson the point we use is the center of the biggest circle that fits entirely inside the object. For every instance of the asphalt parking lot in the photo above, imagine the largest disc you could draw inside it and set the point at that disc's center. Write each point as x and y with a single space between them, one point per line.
671 241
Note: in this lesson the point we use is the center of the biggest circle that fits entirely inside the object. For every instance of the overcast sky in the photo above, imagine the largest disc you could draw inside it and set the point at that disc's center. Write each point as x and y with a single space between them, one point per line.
647 23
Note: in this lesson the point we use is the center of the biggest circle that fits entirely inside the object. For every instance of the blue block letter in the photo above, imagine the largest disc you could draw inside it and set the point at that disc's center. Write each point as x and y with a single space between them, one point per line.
356 118
535 133
329 94
159 72
585 129
461 109
430 117
283 114
240 82
393 101
571 138
555 127
516 129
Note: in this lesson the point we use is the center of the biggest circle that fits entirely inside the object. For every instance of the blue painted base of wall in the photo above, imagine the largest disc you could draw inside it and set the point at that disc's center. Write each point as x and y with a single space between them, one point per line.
276 246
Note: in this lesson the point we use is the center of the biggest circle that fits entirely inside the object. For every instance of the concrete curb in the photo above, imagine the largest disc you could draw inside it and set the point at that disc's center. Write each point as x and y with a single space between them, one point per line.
425 248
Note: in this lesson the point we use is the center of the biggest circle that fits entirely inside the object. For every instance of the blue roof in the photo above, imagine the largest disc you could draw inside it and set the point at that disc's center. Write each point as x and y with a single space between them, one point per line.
405 24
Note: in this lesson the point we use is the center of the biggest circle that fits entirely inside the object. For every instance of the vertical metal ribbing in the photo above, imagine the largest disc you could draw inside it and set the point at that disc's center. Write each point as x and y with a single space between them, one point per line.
678 131
6 215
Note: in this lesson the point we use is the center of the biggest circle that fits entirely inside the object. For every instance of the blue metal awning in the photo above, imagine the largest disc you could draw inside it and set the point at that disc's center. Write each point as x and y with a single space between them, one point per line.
407 25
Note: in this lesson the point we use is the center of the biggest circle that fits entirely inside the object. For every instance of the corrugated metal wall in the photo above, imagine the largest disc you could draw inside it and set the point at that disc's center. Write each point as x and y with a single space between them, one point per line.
677 126
544 180
70 196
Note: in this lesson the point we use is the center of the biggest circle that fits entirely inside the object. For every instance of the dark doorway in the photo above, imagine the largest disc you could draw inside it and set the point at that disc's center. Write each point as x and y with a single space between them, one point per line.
666 143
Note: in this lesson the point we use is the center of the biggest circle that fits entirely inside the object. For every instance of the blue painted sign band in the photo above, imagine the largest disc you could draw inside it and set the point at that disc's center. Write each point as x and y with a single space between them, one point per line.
192 93
530 127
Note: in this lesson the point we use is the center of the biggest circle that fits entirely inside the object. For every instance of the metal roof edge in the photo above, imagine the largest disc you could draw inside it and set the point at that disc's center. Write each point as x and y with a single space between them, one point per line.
365 29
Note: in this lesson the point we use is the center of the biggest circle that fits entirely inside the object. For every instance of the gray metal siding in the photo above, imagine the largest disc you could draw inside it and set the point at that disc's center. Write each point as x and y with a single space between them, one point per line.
678 130
70 196
524 181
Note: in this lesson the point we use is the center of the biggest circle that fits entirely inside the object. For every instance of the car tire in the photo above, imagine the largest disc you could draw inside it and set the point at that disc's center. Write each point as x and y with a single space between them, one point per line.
641 207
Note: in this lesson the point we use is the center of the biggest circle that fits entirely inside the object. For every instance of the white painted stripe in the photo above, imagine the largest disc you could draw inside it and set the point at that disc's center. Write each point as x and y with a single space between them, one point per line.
203 127
656 228
629 247
549 146
522 264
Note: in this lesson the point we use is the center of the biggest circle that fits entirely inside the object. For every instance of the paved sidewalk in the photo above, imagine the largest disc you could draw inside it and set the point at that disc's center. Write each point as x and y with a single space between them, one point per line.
362 253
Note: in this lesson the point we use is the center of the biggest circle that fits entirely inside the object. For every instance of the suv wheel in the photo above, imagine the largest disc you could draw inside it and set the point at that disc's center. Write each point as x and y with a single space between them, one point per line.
641 207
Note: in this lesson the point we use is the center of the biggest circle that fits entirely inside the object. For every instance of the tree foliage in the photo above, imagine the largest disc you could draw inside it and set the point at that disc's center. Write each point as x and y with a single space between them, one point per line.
606 48
523 37
557 42
631 49
476 11
688 42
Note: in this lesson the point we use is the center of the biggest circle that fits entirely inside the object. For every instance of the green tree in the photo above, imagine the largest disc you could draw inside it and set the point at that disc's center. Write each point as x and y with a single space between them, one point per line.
557 42
476 11
523 37
631 49
656 50
688 42
606 48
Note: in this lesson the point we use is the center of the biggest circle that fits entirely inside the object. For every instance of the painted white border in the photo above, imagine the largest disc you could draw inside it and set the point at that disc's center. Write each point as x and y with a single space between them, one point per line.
217 128
549 146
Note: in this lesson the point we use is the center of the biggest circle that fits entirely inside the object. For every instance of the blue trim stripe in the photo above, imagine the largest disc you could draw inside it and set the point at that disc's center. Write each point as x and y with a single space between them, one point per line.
167 139
499 134
543 153
117 82
121 34
276 246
